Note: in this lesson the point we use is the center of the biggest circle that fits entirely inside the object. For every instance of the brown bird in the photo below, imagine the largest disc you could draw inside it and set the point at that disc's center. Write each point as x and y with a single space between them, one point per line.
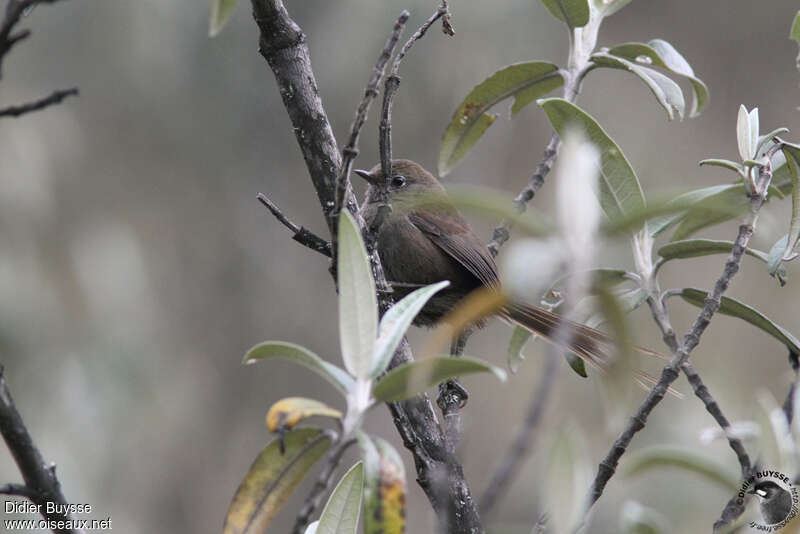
422 243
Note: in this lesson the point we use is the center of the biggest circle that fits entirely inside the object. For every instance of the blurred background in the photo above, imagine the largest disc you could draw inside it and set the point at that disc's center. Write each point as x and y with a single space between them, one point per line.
136 266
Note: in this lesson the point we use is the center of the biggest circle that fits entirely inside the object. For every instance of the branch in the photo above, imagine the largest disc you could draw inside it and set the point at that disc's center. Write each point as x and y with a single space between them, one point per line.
305 237
20 490
283 45
519 449
323 482
41 484
55 98
15 10
788 404
681 352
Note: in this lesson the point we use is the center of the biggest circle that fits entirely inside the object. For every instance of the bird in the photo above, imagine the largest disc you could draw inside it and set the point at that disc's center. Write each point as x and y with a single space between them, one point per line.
776 502
421 243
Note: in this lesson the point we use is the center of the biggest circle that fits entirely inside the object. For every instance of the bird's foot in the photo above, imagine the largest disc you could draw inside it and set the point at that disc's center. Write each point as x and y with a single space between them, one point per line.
452 395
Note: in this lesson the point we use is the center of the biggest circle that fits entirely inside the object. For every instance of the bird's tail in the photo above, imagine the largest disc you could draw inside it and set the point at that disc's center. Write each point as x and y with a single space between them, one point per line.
593 346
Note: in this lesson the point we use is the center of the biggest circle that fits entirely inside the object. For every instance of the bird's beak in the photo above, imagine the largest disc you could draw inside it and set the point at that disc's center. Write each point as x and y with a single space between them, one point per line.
367 176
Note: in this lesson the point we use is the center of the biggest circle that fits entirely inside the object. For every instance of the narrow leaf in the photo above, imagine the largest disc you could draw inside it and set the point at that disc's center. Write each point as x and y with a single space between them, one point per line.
384 488
568 473
221 11
524 81
732 165
775 256
412 378
297 354
358 306
754 127
519 338
619 190
738 309
396 321
286 413
272 478
577 364
574 12
340 515
792 154
609 7
667 92
693 248
682 458
794 34
659 53
743 133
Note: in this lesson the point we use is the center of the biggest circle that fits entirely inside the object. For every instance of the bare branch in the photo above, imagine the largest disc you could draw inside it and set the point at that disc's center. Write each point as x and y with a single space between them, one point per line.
350 151
15 10
55 98
35 471
305 237
20 490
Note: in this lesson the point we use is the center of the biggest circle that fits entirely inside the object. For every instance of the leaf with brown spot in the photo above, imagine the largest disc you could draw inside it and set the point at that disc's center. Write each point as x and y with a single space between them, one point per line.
385 487
525 82
272 478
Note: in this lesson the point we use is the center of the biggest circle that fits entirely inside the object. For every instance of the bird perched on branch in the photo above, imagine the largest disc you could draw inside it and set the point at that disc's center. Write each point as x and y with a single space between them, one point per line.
425 242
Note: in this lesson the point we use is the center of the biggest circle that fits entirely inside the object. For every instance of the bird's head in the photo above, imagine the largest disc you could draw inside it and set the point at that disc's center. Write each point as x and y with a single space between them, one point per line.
406 179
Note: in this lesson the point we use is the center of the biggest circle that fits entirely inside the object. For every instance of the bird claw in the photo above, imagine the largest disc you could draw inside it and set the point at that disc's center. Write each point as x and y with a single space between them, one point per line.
451 395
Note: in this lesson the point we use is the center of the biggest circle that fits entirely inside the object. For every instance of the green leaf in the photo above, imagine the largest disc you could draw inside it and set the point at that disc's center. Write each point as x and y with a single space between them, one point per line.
794 33
743 130
609 7
682 458
738 309
221 11
358 306
660 53
619 189
775 256
792 154
384 487
577 364
272 478
724 203
764 139
574 12
667 92
732 165
519 338
396 321
693 248
409 379
340 515
297 354
524 81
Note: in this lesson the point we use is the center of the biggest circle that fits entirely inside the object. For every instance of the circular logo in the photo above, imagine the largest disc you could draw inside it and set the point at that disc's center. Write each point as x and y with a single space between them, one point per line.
777 499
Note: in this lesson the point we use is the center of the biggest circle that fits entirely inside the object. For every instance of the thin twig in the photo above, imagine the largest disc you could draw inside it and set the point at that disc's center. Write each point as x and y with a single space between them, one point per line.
350 151
55 98
20 490
519 449
37 474
788 404
321 485
300 234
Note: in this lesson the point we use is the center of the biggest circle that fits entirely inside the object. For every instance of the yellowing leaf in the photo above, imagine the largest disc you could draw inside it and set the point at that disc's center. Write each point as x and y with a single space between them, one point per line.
272 478
286 413
384 488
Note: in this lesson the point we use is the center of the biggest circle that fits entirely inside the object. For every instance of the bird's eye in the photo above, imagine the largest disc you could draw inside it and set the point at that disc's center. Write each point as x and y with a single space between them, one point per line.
398 181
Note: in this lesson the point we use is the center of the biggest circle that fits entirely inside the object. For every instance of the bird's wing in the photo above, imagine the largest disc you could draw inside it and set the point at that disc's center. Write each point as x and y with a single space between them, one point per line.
452 234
